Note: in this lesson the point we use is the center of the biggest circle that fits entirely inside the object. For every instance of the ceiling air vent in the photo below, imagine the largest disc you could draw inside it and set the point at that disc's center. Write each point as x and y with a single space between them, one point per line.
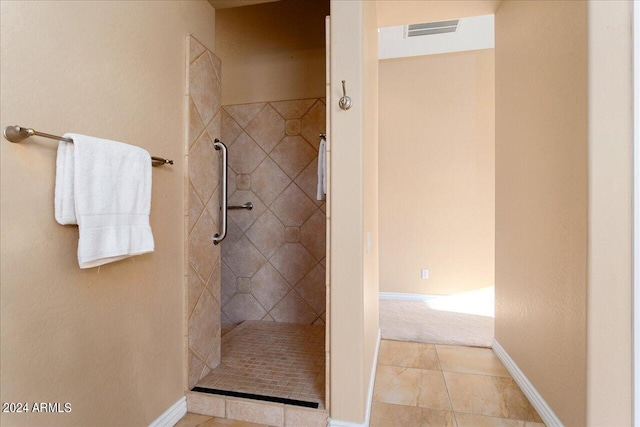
430 28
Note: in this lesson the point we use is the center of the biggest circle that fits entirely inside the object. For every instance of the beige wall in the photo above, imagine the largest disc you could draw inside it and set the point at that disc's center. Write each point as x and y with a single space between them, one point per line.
108 340
609 365
437 185
352 207
273 51
541 197
402 12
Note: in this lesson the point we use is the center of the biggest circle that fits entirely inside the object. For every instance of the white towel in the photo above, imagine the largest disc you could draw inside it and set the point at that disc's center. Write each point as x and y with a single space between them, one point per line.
104 187
322 170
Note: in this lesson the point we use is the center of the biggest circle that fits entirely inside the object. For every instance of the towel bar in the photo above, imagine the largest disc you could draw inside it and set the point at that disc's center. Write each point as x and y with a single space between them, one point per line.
18 133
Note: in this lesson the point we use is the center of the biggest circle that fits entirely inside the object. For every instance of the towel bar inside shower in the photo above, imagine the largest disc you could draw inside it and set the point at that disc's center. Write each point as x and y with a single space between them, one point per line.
19 133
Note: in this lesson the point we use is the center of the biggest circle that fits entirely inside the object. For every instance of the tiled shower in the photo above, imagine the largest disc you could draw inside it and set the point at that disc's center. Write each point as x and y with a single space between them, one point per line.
255 303
273 259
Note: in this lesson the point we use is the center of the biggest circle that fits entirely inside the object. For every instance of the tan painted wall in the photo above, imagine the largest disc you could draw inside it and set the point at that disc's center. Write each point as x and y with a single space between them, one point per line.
401 12
272 51
541 197
110 341
437 139
352 208
609 364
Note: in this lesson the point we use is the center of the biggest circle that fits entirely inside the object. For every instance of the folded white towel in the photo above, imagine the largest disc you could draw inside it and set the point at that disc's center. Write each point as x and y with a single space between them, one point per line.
104 187
322 170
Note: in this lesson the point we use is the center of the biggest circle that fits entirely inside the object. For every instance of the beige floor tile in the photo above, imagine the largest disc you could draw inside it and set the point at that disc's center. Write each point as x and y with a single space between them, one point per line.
220 422
470 360
411 387
471 420
387 415
534 425
192 420
397 385
488 395
408 354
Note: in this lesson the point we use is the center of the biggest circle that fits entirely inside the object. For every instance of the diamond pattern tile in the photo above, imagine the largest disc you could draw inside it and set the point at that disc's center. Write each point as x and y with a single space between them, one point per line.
214 128
202 325
284 219
243 307
195 289
268 181
195 123
308 181
293 262
269 287
202 253
244 113
195 49
293 309
204 169
293 109
195 207
245 155
312 289
228 289
267 234
313 235
204 88
230 130
292 155
217 65
242 217
243 258
267 128
293 207
313 123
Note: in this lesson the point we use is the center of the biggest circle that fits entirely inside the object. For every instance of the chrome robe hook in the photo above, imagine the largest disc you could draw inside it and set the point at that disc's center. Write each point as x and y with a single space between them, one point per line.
344 102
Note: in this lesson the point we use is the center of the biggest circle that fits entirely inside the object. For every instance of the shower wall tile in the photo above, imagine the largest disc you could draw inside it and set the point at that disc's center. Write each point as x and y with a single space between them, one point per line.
244 259
293 207
244 113
293 109
230 129
293 154
267 128
273 251
267 234
293 309
241 217
313 235
268 181
202 208
202 173
269 287
245 155
293 261
308 181
313 123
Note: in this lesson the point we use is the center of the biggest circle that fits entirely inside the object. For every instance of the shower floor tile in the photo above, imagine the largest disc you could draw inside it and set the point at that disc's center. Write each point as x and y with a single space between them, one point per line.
283 360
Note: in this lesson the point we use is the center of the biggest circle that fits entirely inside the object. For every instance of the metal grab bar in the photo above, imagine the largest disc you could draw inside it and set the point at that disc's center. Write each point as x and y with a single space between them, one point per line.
19 133
219 237
248 206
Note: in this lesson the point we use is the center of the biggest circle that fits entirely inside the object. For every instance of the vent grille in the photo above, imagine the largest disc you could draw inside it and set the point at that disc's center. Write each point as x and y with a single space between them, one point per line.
430 28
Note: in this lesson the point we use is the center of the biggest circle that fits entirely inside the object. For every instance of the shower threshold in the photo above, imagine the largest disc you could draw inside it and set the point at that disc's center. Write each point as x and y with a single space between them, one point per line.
270 361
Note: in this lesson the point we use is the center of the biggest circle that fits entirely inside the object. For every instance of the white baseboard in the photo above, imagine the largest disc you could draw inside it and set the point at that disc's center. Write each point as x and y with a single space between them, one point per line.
407 297
337 423
172 415
537 401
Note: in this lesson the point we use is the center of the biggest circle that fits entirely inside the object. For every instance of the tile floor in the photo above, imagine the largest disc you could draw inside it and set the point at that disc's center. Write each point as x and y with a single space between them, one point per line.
272 359
196 420
423 385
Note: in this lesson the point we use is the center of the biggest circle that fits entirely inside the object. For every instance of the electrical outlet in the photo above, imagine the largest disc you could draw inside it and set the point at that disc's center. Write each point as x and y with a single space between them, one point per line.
425 273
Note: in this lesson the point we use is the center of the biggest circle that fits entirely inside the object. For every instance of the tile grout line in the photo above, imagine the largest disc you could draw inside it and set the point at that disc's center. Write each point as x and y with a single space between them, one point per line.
455 419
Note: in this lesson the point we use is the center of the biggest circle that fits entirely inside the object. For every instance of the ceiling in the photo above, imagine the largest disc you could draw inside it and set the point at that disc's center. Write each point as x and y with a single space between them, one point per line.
401 12
224 4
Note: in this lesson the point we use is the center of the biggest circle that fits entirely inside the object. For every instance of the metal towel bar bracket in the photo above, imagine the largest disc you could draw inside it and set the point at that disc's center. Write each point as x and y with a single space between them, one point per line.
19 133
